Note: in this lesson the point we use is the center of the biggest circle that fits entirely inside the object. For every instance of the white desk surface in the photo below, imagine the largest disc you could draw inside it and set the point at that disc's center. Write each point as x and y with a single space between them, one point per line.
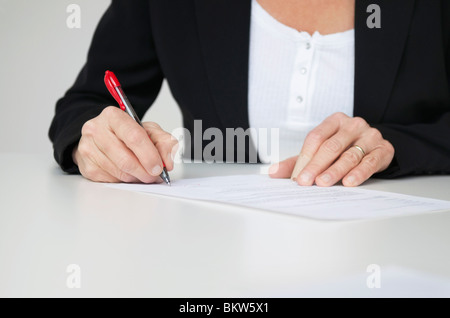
138 245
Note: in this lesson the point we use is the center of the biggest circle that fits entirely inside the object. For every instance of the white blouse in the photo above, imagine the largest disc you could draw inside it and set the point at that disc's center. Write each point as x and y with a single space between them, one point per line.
295 81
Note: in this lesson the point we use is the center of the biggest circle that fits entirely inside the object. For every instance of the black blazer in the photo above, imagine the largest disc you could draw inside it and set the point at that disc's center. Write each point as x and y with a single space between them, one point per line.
202 48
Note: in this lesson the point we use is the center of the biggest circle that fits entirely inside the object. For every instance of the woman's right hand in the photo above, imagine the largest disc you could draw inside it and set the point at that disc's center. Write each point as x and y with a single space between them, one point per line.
115 148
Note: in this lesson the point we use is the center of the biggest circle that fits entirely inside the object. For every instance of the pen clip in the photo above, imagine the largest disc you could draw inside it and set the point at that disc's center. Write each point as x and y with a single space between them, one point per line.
111 83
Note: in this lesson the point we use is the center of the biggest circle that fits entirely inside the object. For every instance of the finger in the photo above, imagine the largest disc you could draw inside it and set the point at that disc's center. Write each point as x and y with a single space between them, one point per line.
369 140
318 135
165 143
283 169
122 157
328 152
136 139
101 160
331 149
375 161
91 171
103 177
313 141
346 162
300 164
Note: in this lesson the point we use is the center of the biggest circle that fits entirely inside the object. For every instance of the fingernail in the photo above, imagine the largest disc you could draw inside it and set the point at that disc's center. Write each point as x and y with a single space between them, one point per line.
325 178
156 171
273 168
351 180
305 178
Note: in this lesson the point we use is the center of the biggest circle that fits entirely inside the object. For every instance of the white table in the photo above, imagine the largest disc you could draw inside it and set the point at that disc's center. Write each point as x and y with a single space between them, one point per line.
130 244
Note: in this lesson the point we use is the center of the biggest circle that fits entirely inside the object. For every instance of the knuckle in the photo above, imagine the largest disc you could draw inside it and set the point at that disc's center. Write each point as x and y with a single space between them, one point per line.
336 116
173 142
315 136
174 146
332 146
313 169
126 164
372 162
169 145
174 139
152 124
83 149
389 147
135 136
109 111
88 128
351 157
358 123
375 134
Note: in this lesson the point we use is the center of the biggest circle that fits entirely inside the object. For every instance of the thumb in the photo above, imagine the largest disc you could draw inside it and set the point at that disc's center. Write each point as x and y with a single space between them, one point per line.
283 169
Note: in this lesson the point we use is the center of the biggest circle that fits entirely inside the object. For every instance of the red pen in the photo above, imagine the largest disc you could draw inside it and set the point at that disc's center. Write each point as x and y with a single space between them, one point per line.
114 87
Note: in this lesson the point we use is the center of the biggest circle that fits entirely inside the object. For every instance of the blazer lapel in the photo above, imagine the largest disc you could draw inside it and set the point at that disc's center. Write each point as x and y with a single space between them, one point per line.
224 31
378 54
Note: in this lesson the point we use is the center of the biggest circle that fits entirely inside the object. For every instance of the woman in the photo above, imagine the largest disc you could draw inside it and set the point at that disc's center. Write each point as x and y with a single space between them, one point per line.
373 95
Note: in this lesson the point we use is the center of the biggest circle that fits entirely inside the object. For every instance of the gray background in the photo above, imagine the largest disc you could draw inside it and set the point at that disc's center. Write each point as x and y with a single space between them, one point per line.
40 58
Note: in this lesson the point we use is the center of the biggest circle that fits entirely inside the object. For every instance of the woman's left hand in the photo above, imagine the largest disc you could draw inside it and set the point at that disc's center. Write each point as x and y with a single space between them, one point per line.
340 148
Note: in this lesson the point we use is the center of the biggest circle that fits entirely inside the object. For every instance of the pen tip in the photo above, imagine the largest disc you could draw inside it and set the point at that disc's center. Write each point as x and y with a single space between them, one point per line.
165 176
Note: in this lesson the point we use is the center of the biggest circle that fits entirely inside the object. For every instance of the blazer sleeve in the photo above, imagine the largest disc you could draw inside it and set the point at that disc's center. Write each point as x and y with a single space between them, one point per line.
420 149
122 43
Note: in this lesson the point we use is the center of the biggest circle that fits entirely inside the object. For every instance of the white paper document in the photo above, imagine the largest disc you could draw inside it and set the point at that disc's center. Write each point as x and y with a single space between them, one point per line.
285 196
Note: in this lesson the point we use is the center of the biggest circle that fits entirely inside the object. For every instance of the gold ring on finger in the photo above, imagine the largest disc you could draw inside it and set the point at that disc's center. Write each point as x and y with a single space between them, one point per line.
360 149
